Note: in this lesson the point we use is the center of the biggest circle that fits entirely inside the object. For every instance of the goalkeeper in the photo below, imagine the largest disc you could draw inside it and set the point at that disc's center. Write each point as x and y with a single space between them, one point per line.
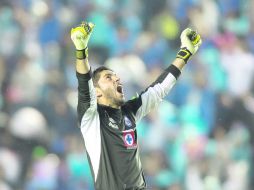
108 122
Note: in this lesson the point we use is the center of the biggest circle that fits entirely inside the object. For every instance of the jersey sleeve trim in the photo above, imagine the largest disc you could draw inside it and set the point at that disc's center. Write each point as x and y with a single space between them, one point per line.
85 77
174 71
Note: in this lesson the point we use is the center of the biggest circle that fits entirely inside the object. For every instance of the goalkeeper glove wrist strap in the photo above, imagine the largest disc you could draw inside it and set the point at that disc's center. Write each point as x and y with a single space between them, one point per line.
82 54
184 54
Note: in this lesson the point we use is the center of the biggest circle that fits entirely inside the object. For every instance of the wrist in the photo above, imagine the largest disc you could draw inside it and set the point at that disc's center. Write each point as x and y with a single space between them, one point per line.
184 54
82 54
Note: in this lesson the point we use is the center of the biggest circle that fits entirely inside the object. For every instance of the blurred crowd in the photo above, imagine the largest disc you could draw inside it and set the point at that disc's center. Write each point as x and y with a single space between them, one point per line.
201 136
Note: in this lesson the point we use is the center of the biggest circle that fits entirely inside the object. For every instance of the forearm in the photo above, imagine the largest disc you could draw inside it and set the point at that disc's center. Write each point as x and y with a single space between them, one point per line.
82 66
86 95
179 63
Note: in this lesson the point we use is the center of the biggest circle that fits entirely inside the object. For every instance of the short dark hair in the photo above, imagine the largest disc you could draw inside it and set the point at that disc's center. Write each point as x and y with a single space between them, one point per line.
96 74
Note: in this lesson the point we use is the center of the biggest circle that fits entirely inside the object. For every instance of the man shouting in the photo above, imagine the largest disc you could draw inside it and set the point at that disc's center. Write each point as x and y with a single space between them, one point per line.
108 121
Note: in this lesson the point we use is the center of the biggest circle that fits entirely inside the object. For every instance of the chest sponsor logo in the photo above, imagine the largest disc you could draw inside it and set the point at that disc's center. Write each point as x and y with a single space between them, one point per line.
112 123
129 139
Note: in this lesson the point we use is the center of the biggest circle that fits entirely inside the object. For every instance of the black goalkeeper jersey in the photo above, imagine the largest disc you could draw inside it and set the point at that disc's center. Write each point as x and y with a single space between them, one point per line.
110 134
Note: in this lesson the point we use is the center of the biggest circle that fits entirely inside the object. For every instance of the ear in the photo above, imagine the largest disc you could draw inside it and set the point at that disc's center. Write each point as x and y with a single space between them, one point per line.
98 92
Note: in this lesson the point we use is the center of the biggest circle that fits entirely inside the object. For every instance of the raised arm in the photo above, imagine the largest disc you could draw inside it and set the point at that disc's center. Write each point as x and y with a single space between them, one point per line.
80 37
86 92
153 95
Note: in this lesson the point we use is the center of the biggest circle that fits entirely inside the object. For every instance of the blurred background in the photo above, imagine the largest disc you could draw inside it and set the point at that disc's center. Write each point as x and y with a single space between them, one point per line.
200 138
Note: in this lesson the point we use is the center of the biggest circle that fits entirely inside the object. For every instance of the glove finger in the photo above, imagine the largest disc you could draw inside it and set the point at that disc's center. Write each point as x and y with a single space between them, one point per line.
198 43
91 25
79 30
88 27
196 47
185 33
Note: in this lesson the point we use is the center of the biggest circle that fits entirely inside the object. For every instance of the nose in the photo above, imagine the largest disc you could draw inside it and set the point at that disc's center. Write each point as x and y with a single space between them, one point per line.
117 79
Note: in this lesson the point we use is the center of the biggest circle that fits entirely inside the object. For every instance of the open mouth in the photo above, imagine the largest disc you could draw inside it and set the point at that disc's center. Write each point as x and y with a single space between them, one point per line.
119 89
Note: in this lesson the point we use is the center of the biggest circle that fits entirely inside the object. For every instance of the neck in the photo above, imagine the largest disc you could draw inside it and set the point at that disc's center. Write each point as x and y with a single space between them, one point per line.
114 106
106 103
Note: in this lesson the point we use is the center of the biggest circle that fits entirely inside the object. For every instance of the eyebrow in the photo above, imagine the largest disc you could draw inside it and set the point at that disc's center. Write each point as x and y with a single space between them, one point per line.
108 74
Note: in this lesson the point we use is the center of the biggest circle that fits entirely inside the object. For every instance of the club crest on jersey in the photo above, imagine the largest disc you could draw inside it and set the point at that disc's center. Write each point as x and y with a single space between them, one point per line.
129 139
127 122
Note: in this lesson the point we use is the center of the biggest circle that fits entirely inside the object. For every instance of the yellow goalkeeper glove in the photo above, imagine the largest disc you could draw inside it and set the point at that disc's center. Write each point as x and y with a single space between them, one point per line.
190 42
80 36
